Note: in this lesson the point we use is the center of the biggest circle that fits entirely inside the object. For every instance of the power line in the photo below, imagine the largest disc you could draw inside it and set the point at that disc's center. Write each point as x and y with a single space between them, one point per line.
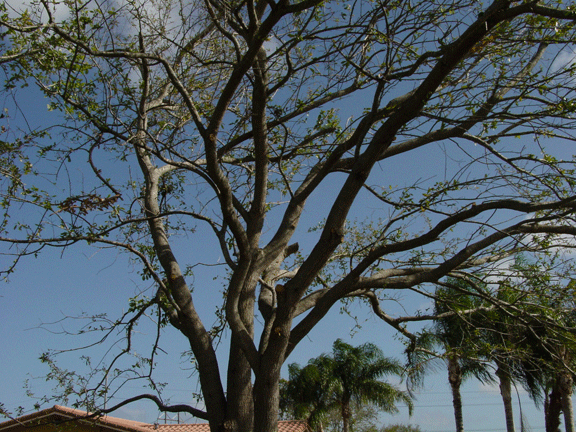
450 405
535 429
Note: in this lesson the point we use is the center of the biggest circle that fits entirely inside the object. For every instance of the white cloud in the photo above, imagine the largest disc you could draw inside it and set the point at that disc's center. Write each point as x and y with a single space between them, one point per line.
59 10
564 59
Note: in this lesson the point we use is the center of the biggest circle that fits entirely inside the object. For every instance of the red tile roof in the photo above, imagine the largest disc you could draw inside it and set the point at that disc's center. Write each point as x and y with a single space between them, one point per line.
131 425
283 426
71 413
190 427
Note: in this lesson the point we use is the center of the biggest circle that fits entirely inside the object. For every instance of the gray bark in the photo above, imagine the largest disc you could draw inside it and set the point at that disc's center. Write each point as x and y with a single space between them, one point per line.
566 385
455 380
506 393
552 410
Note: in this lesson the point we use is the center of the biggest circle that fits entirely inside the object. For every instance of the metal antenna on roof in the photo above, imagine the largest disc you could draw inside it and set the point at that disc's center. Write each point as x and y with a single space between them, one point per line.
171 419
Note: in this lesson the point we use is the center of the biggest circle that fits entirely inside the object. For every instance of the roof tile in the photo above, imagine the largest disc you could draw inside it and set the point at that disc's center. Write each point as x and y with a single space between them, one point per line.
132 425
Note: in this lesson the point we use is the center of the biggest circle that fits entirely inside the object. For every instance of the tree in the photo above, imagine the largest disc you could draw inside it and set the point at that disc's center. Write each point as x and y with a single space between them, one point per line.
309 392
317 412
546 365
501 337
400 428
365 418
351 375
456 330
478 336
222 123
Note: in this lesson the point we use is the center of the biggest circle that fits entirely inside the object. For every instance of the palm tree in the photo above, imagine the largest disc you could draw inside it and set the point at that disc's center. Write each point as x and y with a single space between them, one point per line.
538 355
500 335
455 331
547 375
309 392
548 370
350 375
358 371
475 337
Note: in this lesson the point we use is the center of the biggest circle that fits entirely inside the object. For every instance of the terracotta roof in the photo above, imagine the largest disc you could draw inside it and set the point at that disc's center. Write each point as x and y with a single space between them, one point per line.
131 425
188 427
283 426
293 426
70 413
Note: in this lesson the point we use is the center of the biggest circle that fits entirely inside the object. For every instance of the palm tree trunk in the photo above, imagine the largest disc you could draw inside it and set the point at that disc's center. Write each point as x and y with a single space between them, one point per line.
566 383
552 410
346 416
506 391
455 379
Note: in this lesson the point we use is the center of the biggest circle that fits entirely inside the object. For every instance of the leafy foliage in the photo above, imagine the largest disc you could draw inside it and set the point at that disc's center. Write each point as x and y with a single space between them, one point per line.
350 376
400 428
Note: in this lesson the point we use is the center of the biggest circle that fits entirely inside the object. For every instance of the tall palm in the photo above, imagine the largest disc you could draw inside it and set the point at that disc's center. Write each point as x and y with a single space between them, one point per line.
501 335
547 373
358 370
475 337
455 332
309 393
537 354
349 375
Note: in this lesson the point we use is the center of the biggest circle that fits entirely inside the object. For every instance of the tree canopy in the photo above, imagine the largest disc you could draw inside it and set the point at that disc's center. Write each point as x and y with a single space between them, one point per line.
327 150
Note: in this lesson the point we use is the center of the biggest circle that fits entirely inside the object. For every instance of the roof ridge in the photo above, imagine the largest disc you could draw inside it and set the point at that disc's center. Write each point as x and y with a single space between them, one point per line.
113 422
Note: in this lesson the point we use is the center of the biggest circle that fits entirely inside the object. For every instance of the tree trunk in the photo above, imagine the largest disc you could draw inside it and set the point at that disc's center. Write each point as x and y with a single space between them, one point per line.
506 391
346 416
566 383
267 376
266 400
455 379
552 410
240 407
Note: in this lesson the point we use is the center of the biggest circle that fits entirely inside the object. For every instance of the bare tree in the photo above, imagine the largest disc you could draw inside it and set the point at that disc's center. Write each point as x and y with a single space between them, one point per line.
220 120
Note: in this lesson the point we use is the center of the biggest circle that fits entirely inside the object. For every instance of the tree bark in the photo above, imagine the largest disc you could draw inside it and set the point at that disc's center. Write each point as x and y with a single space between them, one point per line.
346 416
266 399
267 375
552 410
240 407
566 383
506 391
239 393
455 380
